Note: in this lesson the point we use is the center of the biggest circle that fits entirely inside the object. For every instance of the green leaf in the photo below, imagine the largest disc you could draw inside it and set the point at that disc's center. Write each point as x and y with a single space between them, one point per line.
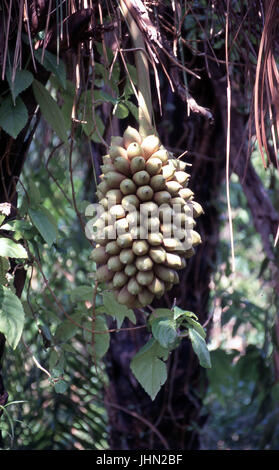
13 117
68 328
164 331
50 64
11 316
102 340
117 310
178 312
197 326
44 224
121 111
82 293
61 386
11 249
149 369
22 80
50 110
200 348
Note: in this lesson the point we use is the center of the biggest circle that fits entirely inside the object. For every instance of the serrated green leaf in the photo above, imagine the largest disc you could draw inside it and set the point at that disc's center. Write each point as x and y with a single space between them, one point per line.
11 249
50 110
164 331
200 348
11 316
149 369
44 224
117 310
50 63
22 80
13 117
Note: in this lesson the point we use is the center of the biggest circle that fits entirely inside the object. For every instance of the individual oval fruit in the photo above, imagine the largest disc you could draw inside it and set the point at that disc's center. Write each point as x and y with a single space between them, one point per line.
131 135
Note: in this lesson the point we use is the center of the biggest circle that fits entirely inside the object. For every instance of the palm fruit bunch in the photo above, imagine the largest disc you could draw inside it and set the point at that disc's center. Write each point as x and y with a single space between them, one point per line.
144 232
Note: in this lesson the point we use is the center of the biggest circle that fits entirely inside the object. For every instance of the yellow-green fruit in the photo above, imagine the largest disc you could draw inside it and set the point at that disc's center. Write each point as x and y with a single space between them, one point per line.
99 255
173 187
162 197
131 135
139 232
114 196
149 145
103 274
112 248
117 211
104 203
141 178
133 218
133 286
196 238
107 167
130 270
144 278
122 164
144 263
151 223
127 256
153 165
157 286
140 247
155 239
181 177
117 151
145 193
173 261
145 297
127 186
104 186
157 254
120 279
197 209
164 273
121 225
131 201
158 183
124 240
134 150
137 164
113 179
168 172
124 297
162 154
114 263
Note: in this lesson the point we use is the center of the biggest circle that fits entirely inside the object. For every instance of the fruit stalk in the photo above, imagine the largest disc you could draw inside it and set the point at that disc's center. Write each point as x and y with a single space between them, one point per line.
146 126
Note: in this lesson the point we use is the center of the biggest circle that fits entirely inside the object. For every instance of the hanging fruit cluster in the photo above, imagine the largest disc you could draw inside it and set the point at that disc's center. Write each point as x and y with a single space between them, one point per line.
145 232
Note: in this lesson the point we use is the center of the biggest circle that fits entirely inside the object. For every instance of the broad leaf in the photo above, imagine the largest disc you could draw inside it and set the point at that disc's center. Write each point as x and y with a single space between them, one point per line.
100 340
68 328
164 332
44 224
50 63
117 310
50 110
200 348
22 80
11 316
13 117
11 249
82 293
149 369
197 326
